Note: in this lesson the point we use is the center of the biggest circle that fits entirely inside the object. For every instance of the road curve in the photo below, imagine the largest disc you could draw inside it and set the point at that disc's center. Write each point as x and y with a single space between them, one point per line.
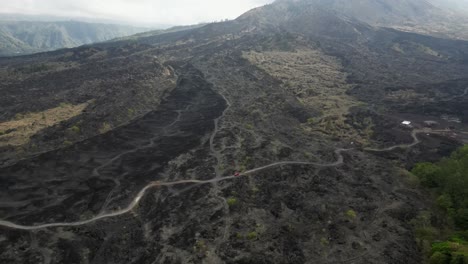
143 191
415 142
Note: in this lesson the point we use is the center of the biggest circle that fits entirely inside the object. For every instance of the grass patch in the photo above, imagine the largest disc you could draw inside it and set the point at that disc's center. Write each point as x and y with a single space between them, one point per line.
232 201
25 125
252 235
318 82
351 214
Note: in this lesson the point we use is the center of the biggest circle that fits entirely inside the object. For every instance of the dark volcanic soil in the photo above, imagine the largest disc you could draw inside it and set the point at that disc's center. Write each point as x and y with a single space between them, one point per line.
227 113
106 171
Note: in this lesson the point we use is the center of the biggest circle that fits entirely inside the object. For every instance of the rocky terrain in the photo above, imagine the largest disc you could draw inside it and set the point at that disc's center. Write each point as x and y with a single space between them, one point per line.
138 161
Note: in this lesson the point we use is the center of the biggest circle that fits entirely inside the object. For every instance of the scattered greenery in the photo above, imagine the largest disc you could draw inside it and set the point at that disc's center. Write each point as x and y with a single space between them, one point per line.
351 214
200 247
67 143
255 189
75 129
252 235
105 128
246 162
231 201
19 116
63 105
324 241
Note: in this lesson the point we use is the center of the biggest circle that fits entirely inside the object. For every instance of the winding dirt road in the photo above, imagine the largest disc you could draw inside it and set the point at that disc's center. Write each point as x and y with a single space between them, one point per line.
217 178
154 184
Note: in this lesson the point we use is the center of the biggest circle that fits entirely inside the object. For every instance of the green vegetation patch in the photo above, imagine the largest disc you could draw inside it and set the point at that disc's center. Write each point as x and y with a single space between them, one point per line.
232 201
351 214
448 181
252 235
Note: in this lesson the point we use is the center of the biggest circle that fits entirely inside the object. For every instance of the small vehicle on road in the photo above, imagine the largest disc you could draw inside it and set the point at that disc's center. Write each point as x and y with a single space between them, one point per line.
237 174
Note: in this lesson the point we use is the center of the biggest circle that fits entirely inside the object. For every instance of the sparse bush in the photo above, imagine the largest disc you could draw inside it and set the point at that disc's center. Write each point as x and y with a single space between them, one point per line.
231 201
255 190
75 129
19 116
200 247
351 214
439 258
63 105
67 143
105 128
252 235
324 241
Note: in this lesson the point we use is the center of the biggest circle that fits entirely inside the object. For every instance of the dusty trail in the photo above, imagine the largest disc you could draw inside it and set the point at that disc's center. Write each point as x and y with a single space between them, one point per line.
416 141
140 194
217 153
458 96
151 143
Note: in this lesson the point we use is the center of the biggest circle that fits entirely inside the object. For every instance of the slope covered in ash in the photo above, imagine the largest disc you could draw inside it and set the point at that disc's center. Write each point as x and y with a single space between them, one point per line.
304 103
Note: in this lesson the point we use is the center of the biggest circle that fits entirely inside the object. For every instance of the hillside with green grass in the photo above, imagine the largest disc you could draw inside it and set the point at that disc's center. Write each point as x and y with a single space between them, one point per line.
24 37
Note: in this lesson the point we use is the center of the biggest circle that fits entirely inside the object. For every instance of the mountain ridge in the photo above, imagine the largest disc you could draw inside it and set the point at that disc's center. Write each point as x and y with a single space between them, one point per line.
23 37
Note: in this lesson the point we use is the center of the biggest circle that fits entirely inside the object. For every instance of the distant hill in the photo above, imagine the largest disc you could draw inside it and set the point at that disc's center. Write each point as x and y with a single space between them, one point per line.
25 37
420 16
460 6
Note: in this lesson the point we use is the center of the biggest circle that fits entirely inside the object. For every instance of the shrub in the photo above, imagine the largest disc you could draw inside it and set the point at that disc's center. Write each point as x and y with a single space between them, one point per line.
105 128
311 121
63 104
324 241
75 129
231 201
255 190
439 258
252 235
351 214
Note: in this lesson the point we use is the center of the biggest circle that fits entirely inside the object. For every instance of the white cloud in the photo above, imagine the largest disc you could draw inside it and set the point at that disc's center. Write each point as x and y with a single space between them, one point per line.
174 12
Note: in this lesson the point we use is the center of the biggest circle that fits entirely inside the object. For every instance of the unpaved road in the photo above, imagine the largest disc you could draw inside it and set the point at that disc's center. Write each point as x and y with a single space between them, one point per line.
217 178
140 194
136 200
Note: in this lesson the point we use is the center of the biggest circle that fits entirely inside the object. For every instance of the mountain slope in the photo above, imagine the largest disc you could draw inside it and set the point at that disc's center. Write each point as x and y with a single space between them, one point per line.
419 16
19 37
460 6
127 151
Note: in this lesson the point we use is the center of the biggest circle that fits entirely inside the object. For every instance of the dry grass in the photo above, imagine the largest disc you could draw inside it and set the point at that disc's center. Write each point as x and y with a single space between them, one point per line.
18 132
318 81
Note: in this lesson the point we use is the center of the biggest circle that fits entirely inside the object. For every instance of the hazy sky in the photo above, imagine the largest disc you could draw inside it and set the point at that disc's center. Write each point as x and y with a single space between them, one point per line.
172 12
